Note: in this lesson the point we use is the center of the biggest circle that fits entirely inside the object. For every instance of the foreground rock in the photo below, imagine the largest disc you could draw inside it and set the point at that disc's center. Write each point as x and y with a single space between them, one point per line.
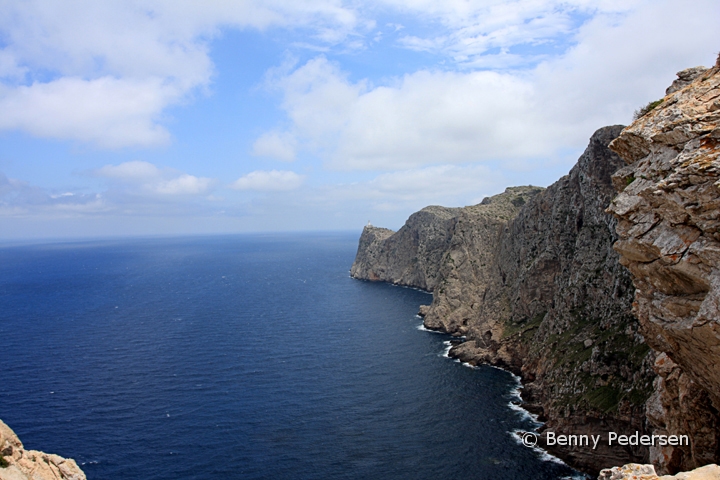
635 471
30 464
669 229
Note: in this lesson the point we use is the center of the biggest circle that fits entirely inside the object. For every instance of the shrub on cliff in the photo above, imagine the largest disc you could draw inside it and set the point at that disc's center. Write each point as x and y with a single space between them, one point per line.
646 109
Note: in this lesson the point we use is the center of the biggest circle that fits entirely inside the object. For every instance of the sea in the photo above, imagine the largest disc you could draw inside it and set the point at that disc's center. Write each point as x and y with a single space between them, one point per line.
243 357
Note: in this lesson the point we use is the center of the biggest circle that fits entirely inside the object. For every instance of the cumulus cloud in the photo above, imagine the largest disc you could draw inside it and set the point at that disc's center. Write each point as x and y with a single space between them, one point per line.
104 72
138 177
134 170
277 145
436 116
106 111
273 180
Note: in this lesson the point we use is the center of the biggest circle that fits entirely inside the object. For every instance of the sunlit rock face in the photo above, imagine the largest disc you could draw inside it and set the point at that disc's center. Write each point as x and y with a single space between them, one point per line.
21 464
668 212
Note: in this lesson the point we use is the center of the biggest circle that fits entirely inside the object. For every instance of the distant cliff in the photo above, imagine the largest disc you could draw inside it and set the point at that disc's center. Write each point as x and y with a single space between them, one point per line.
16 463
532 280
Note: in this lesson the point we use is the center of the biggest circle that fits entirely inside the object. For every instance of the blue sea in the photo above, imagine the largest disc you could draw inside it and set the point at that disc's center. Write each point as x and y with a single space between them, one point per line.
242 357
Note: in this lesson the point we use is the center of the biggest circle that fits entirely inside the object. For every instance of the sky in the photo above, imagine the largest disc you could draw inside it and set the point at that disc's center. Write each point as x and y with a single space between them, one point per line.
174 117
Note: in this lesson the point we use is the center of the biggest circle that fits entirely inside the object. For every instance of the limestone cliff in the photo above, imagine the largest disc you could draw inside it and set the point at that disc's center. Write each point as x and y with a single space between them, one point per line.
533 282
558 312
544 286
16 463
669 228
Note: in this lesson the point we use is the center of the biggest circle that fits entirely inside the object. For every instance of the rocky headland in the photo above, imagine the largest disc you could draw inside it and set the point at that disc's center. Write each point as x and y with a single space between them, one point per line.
16 463
618 339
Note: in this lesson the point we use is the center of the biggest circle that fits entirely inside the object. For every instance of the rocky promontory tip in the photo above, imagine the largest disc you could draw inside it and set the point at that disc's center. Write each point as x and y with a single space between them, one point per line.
16 463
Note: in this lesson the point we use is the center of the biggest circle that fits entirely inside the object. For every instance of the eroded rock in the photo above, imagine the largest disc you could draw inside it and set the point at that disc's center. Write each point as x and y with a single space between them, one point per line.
668 210
31 464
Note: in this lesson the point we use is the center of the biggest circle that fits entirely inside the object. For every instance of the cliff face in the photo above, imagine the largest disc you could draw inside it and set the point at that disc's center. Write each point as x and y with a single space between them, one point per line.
21 464
530 277
558 312
544 285
423 252
669 228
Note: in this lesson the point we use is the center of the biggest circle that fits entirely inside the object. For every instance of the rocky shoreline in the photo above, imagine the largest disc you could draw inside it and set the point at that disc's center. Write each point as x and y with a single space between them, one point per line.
605 304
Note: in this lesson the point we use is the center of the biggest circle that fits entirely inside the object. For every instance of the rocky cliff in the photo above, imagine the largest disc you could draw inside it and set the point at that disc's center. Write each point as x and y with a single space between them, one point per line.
669 228
16 463
572 296
531 279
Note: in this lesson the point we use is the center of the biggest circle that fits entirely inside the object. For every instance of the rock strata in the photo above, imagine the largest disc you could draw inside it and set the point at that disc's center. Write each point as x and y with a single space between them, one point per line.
669 239
21 464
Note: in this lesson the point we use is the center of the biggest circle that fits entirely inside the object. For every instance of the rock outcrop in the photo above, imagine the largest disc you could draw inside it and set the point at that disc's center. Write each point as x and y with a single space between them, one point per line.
669 239
16 463
634 471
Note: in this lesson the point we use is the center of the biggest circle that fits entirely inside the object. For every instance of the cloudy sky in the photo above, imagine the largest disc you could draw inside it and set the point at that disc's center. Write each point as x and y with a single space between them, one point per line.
122 117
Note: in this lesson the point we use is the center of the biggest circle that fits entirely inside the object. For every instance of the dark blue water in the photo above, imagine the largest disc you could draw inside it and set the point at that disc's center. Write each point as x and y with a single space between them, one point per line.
241 357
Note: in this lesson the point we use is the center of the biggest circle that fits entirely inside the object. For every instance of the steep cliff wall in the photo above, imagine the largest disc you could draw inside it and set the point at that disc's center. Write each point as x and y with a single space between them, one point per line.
419 254
558 312
20 464
669 228
546 290
530 277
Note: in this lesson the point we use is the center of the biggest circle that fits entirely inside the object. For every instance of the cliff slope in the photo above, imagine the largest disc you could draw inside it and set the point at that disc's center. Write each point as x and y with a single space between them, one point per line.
417 254
611 316
669 228
558 312
531 279
21 464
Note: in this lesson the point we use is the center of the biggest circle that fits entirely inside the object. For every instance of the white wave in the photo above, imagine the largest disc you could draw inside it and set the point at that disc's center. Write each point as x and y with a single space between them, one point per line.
544 455
446 351
422 328
524 413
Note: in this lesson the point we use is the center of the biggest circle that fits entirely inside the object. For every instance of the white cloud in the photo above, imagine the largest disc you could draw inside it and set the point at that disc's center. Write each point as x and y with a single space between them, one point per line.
103 72
105 111
474 32
134 170
273 180
277 145
409 190
143 178
620 61
185 185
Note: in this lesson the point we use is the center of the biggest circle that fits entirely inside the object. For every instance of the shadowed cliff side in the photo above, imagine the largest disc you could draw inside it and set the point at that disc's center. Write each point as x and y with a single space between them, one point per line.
558 312
537 288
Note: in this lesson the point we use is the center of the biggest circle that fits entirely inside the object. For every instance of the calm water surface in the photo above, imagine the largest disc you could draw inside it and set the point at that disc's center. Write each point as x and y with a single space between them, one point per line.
241 357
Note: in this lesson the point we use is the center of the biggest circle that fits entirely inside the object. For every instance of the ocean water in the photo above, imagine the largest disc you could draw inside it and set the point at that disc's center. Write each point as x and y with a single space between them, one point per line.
242 357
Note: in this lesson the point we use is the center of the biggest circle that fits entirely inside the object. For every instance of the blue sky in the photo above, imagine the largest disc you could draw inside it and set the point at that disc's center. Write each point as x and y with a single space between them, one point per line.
177 117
